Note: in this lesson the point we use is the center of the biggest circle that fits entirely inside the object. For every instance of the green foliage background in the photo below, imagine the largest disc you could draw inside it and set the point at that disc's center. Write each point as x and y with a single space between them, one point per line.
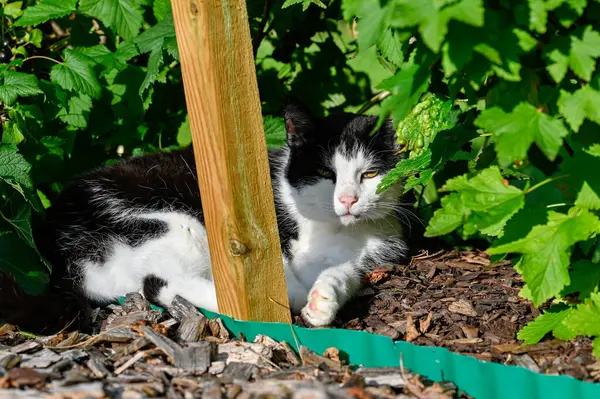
495 104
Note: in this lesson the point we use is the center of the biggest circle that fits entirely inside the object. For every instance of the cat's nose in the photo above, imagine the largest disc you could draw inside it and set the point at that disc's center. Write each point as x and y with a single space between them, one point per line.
348 200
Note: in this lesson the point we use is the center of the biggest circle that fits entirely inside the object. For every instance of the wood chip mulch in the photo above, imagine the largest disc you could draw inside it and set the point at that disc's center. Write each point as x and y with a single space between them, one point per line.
138 352
461 301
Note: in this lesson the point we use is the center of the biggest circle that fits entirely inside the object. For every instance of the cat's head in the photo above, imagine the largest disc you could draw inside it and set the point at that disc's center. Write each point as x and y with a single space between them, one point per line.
336 164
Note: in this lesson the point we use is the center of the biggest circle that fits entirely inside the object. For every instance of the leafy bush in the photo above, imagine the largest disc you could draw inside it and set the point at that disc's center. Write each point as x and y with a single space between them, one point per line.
494 104
520 167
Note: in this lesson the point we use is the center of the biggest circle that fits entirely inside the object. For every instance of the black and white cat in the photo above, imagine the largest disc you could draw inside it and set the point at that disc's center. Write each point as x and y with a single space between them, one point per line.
138 226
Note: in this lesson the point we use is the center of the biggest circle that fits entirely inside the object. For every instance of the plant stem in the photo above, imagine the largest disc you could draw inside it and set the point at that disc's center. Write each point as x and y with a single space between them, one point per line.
557 205
379 97
43 57
544 182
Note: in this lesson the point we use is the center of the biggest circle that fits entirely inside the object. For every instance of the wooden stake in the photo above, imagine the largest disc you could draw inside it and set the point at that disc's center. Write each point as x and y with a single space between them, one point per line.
231 157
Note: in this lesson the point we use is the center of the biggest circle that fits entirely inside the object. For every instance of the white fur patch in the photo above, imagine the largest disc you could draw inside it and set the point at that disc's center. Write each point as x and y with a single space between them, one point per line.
180 257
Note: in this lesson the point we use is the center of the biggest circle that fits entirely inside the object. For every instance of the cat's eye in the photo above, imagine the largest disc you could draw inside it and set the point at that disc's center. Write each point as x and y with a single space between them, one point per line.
324 172
369 174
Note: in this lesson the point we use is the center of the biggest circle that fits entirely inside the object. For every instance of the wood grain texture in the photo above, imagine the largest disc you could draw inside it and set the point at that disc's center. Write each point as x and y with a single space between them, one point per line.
231 156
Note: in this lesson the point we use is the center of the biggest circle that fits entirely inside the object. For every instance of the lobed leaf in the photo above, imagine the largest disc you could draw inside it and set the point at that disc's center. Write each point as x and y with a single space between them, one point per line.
583 180
123 16
482 203
75 74
305 3
45 11
274 131
546 250
17 84
585 318
514 132
578 51
579 105
544 324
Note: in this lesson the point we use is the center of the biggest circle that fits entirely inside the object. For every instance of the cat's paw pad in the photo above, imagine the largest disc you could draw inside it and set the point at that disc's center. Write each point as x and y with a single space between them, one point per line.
322 306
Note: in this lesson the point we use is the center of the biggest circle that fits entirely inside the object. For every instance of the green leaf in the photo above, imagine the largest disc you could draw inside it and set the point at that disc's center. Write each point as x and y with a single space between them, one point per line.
171 47
485 204
584 52
154 62
435 27
407 13
449 217
21 261
421 126
124 16
406 88
274 131
585 276
19 218
45 11
154 37
370 27
537 329
583 179
17 84
578 51
13 9
75 74
404 168
54 145
78 112
35 37
305 3
390 46
538 15
161 8
585 318
14 169
546 250
184 134
581 104
433 17
514 132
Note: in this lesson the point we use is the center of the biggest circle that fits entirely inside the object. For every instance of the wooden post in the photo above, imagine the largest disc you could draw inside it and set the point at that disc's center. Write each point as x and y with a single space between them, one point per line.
223 105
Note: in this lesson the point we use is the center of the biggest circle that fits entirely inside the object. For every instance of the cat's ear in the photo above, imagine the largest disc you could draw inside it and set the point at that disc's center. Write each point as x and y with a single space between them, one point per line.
299 123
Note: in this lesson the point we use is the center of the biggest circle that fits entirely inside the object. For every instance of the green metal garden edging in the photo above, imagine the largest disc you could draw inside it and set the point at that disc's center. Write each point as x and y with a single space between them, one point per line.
481 380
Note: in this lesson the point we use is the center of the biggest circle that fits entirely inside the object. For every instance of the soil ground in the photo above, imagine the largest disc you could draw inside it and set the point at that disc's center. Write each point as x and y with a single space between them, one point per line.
138 352
454 299
461 301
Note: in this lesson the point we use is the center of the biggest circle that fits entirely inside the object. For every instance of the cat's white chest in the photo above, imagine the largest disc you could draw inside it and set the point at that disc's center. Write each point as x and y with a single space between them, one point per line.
319 247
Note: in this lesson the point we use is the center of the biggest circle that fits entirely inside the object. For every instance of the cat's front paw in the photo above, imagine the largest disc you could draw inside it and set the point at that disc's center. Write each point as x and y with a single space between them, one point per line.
322 305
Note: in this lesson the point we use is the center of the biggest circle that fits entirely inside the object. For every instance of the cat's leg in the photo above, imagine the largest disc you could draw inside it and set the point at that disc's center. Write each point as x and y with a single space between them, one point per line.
296 290
198 291
331 290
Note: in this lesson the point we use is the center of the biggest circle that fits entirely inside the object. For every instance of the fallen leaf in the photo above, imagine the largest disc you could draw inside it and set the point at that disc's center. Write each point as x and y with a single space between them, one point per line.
465 341
462 306
472 258
424 324
376 276
333 354
518 348
358 393
411 330
432 271
470 331
24 376
464 266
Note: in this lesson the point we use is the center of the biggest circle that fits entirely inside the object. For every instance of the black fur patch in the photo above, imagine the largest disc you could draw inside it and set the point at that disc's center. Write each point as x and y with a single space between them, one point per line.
152 287
314 144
